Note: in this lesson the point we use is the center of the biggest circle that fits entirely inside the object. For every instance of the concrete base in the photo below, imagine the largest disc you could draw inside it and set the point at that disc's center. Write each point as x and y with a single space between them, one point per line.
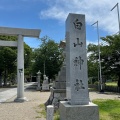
78 112
21 99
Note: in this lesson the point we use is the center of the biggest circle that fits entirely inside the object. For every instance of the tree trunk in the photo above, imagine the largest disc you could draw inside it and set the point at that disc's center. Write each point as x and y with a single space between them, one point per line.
118 80
5 78
0 79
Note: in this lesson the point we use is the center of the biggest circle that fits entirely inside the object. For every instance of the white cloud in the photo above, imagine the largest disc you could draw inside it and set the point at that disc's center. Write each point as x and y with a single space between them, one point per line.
92 42
93 9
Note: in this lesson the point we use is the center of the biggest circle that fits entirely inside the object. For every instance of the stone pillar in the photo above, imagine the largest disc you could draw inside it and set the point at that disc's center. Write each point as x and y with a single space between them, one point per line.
20 71
38 80
50 112
78 106
76 60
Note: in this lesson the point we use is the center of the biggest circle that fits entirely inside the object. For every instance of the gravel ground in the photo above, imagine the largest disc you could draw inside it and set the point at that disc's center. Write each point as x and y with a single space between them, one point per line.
10 110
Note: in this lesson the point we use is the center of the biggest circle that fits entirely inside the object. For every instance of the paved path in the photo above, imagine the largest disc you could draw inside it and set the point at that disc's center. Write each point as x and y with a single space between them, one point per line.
4 89
9 93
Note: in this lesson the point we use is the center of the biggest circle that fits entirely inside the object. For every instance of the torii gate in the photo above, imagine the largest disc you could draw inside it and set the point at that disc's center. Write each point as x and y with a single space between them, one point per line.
20 54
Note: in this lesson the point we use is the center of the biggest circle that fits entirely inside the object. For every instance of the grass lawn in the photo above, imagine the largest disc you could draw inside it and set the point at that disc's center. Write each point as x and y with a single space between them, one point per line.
111 83
42 113
108 109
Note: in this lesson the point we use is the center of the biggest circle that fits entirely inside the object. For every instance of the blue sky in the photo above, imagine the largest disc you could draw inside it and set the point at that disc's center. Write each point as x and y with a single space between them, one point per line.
50 16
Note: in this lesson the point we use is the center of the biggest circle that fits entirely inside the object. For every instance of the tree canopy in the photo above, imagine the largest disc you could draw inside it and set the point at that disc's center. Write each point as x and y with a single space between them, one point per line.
8 59
50 55
110 57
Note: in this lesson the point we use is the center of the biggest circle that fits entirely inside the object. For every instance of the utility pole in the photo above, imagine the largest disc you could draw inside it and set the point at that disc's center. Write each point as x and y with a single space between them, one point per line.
118 15
99 69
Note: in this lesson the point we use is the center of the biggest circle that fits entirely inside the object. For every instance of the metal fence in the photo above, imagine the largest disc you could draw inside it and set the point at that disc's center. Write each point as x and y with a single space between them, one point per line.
112 88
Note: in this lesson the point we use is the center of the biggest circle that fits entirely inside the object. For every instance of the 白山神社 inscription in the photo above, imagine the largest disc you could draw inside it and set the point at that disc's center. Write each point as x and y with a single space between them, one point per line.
77 24
79 85
76 61
78 43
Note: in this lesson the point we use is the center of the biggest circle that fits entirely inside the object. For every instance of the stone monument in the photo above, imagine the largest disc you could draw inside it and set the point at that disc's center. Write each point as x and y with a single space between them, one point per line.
38 80
45 85
58 90
78 106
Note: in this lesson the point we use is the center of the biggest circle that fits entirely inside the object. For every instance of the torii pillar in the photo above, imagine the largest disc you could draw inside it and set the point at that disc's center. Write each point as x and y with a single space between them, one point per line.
20 54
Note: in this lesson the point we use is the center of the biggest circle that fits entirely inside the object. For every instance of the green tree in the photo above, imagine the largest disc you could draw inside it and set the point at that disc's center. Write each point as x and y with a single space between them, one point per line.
7 58
93 61
27 60
49 54
110 57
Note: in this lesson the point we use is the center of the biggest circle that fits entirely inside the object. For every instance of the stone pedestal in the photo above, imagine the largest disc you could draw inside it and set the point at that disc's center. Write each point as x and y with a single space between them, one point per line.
45 85
78 112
